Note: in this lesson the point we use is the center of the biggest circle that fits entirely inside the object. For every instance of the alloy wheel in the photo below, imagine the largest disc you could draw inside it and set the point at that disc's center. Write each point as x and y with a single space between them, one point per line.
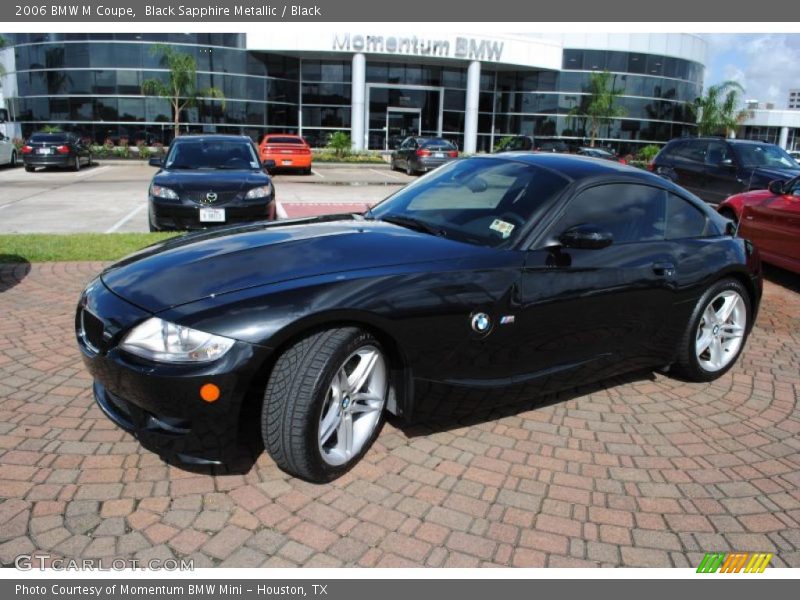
353 406
721 331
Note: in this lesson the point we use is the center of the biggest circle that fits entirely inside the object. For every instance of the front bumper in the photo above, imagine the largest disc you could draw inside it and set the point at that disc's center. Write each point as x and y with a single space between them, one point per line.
176 215
160 403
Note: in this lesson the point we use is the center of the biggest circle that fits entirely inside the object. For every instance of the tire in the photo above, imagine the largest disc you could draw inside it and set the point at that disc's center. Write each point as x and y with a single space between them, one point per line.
725 339
301 396
13 162
90 161
409 171
729 214
30 169
393 165
307 171
77 165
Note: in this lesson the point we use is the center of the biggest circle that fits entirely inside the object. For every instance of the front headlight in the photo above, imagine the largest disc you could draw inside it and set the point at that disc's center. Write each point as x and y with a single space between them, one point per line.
259 192
161 341
163 192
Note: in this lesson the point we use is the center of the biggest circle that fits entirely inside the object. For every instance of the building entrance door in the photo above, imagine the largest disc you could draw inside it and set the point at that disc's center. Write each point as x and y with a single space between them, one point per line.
400 124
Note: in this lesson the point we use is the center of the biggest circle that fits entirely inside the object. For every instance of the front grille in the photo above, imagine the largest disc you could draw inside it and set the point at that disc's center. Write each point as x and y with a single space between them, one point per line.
202 197
91 329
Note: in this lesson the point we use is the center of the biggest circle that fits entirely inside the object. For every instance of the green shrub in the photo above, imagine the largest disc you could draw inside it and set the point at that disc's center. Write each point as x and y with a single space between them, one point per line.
503 143
51 129
357 157
340 144
144 151
98 150
648 153
122 152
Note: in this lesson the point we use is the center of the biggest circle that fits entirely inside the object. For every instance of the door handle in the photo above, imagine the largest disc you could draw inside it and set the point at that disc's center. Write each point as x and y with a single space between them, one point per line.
664 269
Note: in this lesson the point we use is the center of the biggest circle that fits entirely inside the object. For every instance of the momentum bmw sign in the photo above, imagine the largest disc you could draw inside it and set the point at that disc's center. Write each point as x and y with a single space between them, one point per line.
456 47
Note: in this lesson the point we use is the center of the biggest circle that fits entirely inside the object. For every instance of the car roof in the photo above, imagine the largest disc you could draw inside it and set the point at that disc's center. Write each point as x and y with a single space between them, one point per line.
711 138
289 135
212 137
578 167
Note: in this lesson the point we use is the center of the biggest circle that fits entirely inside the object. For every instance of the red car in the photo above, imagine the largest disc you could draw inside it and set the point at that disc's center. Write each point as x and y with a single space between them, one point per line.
771 220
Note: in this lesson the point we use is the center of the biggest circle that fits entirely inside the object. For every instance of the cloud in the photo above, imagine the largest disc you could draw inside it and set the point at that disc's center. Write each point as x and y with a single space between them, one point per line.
767 65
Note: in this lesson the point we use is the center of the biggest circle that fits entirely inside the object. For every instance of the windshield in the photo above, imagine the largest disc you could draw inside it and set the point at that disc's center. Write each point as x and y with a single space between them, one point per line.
483 201
764 155
212 154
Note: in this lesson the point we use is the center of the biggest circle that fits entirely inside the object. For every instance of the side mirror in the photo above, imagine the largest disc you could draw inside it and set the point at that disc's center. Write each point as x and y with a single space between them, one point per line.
727 162
156 162
586 237
268 164
776 187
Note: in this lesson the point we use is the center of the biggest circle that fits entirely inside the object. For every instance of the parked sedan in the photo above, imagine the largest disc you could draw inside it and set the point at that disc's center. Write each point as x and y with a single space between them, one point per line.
771 220
8 152
492 278
210 180
419 155
287 151
63 150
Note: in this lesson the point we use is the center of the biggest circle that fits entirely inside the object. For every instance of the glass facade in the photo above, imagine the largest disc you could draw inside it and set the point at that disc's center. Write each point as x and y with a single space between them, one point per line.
91 84
770 134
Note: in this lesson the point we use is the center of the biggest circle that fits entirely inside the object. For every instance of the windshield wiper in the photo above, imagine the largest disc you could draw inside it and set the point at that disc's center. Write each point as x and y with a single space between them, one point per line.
412 223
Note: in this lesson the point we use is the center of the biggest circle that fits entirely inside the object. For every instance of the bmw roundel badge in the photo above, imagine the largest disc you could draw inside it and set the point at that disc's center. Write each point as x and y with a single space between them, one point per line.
481 323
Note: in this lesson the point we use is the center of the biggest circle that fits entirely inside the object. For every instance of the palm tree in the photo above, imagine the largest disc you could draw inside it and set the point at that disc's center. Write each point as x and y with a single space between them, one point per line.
181 86
599 107
718 111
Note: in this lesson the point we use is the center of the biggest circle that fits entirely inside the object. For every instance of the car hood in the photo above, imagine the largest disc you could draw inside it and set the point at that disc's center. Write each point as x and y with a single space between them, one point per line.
197 266
202 180
772 173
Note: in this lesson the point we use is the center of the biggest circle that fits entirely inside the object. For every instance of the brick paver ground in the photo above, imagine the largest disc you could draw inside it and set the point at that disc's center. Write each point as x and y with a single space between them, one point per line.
642 471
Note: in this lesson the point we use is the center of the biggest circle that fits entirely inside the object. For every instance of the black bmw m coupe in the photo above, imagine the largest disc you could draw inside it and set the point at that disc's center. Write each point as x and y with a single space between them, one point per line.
503 276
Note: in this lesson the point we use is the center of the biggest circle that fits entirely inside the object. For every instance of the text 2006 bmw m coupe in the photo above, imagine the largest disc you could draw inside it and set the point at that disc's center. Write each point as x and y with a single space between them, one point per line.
507 276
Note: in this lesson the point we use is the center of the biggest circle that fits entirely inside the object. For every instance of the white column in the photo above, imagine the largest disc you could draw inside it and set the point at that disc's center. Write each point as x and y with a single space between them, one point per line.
357 92
783 140
471 117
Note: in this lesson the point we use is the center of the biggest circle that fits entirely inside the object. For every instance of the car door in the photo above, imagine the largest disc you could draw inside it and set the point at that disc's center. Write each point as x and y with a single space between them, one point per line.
774 227
689 165
720 178
588 313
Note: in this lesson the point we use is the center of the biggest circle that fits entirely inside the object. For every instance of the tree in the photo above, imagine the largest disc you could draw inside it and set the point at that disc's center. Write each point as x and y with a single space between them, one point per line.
181 85
718 111
599 107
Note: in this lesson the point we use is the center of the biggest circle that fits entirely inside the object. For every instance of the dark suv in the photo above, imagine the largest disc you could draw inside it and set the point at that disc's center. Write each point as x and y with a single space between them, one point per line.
715 168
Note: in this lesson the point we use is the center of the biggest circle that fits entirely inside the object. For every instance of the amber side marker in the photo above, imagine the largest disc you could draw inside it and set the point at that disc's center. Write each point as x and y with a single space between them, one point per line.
209 392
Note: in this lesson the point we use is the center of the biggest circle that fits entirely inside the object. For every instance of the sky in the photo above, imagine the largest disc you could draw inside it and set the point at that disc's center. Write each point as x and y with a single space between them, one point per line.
767 65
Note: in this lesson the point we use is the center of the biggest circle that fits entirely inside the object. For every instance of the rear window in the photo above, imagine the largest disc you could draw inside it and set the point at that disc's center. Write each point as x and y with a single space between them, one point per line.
55 138
284 140
437 143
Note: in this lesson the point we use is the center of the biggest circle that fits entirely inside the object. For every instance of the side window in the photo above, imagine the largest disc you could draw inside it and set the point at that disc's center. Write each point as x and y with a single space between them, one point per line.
694 151
671 151
716 153
630 212
684 220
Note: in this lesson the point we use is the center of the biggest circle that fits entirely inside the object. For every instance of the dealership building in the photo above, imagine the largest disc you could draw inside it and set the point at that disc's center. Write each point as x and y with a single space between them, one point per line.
377 85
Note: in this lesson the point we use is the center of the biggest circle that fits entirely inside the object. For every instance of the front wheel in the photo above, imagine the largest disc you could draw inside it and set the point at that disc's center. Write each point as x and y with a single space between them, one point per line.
13 162
716 332
324 403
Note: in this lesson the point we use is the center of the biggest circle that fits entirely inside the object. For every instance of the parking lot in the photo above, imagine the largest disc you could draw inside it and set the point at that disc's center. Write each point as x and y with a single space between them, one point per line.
639 471
643 470
113 197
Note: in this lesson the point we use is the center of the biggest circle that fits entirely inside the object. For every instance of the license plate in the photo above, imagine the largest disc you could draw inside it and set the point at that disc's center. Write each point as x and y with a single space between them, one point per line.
43 151
212 215
286 162
439 155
